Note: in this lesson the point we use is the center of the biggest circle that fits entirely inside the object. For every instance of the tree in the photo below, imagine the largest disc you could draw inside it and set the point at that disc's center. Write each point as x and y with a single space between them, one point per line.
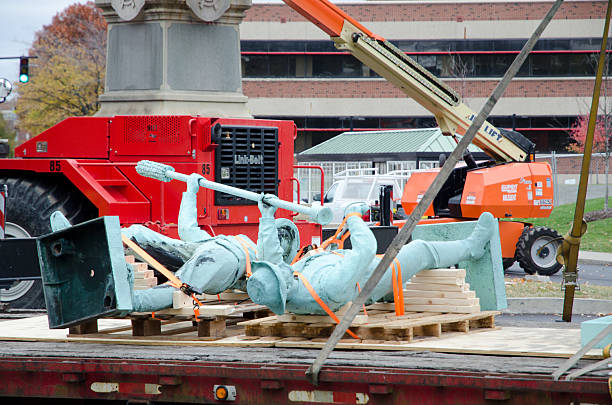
578 133
68 76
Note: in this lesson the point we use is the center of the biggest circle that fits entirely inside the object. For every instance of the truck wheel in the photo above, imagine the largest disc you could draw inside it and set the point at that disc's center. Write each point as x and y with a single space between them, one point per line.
508 262
30 203
531 241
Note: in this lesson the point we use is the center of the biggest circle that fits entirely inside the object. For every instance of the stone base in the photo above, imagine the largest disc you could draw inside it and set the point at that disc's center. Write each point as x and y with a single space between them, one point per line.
209 104
590 329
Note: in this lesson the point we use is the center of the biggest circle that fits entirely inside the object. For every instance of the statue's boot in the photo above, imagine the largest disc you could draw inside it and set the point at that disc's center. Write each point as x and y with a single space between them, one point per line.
481 235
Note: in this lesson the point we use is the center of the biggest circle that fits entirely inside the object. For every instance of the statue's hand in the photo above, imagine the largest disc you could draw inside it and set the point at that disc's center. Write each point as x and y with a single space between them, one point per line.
357 207
193 183
267 210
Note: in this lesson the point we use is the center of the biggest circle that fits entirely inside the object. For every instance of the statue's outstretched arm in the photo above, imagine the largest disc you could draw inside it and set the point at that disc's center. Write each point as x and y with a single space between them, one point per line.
188 228
268 245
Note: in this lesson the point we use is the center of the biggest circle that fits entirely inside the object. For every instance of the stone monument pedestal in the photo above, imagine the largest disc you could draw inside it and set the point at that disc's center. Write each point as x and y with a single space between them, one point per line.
164 59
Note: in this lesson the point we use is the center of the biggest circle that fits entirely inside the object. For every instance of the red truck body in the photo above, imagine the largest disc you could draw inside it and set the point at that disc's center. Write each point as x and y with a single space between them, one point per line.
98 155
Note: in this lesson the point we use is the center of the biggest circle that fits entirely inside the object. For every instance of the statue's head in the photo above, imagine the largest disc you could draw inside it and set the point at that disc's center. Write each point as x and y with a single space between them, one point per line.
289 238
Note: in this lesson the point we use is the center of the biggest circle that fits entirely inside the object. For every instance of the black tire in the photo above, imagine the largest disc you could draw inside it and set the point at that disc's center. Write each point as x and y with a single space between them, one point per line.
545 263
30 203
508 262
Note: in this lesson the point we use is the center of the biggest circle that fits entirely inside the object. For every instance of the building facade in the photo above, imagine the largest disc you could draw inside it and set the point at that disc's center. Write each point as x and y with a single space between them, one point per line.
292 71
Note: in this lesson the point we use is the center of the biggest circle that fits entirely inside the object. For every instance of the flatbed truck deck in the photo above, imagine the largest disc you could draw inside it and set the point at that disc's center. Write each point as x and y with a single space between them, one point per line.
49 371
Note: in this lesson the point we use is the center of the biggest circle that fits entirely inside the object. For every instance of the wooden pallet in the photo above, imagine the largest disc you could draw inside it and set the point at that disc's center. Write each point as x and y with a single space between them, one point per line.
179 324
377 325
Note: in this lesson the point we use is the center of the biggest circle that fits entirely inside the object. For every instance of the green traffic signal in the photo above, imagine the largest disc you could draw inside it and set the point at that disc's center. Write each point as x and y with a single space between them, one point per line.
24 70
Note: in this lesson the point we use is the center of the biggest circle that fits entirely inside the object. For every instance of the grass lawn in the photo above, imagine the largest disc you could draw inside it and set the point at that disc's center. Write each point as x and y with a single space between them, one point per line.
598 237
522 288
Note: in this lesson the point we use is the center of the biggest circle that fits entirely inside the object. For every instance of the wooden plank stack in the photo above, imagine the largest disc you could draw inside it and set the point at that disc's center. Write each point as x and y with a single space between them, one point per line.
439 290
144 278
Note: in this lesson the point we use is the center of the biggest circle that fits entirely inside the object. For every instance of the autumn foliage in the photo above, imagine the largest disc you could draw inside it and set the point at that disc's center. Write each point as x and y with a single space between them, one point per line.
578 133
68 76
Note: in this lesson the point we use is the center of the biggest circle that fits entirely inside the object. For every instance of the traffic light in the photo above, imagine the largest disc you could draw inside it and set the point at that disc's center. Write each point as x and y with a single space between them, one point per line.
24 70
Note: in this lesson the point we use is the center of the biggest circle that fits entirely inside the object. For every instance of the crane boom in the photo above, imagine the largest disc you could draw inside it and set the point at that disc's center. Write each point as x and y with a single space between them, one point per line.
452 115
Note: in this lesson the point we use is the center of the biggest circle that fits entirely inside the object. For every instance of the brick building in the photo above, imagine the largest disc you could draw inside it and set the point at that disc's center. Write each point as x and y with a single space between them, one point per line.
292 71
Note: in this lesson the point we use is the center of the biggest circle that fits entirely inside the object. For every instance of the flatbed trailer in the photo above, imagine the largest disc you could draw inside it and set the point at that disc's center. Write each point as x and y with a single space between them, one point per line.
50 371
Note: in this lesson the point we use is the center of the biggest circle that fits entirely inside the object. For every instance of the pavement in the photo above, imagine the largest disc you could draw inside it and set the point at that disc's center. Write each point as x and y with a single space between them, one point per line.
602 258
582 306
545 305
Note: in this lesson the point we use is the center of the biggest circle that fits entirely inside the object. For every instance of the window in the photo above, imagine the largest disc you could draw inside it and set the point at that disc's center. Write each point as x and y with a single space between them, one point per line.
428 164
282 66
330 194
358 190
326 66
400 165
255 65
446 65
410 45
549 65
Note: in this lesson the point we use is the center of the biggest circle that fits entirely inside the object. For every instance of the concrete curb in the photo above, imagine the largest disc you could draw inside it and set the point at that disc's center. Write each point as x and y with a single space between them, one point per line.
538 305
601 258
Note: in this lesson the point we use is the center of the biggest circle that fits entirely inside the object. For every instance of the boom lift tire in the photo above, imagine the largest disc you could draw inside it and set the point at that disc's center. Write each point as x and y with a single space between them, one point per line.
536 238
30 203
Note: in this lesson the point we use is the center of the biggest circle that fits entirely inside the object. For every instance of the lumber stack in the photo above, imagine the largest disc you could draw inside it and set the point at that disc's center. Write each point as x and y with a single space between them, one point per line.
144 278
440 290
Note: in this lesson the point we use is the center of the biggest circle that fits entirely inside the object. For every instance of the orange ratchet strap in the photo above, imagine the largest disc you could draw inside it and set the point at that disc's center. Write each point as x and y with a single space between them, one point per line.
334 238
172 279
320 302
398 286
245 246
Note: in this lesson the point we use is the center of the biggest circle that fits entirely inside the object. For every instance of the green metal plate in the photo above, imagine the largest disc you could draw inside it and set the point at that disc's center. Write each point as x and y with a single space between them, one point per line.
84 272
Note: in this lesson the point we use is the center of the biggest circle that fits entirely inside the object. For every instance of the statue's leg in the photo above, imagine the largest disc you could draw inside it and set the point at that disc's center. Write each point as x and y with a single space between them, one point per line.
422 255
153 299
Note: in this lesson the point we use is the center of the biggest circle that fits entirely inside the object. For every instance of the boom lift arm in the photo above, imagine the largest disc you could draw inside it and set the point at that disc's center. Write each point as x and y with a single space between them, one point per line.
452 115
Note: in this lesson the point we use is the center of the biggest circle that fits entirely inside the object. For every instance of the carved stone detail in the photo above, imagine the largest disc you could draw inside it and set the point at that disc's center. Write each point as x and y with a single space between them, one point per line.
209 10
127 9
